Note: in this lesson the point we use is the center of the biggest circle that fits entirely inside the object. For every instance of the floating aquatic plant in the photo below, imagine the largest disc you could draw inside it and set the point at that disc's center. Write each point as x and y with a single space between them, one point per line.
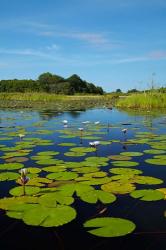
109 226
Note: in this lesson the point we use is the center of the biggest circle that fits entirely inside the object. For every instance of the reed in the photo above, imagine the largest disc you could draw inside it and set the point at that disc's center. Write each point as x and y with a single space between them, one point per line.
144 101
47 100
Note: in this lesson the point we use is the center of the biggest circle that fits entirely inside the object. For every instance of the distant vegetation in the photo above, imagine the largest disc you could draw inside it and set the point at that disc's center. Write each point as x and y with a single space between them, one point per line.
51 83
150 99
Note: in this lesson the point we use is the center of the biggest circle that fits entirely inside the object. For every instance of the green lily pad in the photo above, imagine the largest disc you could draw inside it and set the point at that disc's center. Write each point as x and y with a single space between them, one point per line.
17 159
147 195
91 137
163 190
34 170
5 203
155 161
49 217
98 174
125 171
82 150
118 187
11 166
74 154
62 176
110 226
97 159
49 162
38 181
86 169
148 180
125 163
47 153
98 195
51 200
58 168
96 181
67 144
120 157
131 154
8 176
19 191
154 151
70 189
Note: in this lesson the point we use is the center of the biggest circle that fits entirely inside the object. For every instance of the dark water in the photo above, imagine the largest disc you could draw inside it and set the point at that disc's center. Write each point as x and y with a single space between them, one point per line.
150 232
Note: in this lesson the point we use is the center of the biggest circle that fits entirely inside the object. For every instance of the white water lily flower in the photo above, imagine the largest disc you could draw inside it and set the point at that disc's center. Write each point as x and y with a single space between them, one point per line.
124 130
94 143
21 136
81 129
65 121
86 122
96 122
24 179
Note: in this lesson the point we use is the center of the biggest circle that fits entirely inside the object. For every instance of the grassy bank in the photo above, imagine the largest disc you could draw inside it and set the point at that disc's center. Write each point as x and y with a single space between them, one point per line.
57 102
144 101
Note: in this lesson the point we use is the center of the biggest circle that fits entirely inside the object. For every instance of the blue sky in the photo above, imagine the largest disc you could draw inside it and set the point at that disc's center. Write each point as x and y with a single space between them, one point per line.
112 43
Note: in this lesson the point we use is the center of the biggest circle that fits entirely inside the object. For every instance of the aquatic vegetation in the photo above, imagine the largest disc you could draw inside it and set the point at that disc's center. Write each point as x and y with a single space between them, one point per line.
109 226
125 163
147 195
145 101
131 153
61 172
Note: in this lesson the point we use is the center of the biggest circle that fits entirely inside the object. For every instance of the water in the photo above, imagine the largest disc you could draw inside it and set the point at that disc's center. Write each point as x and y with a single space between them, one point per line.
149 217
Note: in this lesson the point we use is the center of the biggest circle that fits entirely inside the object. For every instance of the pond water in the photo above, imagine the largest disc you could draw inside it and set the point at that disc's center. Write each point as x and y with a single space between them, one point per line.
69 182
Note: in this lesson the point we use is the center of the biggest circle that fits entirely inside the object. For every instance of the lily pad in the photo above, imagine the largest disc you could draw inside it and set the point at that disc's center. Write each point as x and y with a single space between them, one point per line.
147 195
74 154
155 161
58 168
70 189
154 151
118 187
67 144
49 217
51 200
131 154
125 163
19 191
125 171
82 149
62 176
98 195
8 176
110 226
11 166
45 153
120 157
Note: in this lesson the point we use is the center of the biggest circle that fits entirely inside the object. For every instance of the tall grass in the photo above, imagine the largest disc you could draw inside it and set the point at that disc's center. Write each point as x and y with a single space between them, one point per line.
58 102
146 101
44 97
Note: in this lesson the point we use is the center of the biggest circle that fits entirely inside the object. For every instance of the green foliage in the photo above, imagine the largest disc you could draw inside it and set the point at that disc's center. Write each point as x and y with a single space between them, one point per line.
147 195
145 101
109 226
49 217
50 83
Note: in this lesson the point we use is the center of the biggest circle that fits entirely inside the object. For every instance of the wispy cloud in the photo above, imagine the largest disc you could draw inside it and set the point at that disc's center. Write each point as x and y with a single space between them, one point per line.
158 54
95 39
47 53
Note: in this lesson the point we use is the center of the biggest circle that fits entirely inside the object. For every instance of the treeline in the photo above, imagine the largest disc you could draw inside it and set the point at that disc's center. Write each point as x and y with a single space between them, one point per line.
51 83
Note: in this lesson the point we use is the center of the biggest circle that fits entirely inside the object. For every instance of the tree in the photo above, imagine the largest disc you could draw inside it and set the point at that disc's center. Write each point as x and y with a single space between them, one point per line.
118 91
132 91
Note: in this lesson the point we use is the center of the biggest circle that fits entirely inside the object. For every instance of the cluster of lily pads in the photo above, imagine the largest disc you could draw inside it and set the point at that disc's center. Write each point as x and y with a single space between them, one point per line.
54 184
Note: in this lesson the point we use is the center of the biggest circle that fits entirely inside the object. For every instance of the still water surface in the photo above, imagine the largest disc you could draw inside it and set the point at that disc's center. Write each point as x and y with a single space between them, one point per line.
150 232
